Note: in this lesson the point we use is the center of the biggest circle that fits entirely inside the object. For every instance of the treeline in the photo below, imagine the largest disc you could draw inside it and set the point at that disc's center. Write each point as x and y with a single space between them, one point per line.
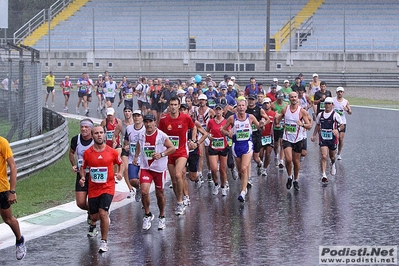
21 11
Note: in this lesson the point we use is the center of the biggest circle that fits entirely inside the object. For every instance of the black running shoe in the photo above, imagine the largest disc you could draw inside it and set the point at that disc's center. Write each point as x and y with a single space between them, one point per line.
289 183
296 185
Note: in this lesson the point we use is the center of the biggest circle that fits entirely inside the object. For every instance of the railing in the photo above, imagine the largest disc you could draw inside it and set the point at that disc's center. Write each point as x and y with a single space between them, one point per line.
38 152
303 32
30 26
39 19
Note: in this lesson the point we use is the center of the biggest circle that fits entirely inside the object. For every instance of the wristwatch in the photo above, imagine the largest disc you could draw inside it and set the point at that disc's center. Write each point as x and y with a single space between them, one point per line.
12 191
163 154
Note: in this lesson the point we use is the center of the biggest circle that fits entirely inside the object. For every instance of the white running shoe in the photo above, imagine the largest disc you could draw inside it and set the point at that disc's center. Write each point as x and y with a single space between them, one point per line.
324 178
333 169
234 174
46 105
93 232
215 189
339 157
103 246
20 251
161 223
186 200
264 173
132 193
224 191
179 209
52 105
147 222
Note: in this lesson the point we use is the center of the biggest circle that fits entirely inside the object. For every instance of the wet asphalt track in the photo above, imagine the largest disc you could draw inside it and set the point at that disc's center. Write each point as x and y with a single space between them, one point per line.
359 206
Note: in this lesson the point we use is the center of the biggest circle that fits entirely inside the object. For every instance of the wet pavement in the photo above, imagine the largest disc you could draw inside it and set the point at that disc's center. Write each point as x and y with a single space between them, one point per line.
273 227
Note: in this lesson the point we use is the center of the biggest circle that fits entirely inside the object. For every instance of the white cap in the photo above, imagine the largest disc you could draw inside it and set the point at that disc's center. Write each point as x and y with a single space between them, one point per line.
202 97
267 100
233 78
340 89
230 83
179 91
137 112
328 100
110 111
208 75
190 88
275 79
285 81
100 75
315 75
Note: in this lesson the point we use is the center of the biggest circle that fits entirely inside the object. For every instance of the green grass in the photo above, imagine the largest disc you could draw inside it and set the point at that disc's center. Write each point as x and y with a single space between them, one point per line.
372 102
50 187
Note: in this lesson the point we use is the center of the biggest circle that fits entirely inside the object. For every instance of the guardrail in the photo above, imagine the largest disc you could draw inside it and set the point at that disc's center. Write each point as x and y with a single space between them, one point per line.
36 153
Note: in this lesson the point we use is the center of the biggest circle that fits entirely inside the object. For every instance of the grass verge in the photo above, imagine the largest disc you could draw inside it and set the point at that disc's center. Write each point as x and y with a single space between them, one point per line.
50 187
373 103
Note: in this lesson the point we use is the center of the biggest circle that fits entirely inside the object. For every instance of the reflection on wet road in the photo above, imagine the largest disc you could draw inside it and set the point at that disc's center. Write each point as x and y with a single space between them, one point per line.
274 227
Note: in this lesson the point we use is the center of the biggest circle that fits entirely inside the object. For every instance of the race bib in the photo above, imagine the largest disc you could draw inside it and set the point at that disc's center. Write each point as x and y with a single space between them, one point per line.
133 148
66 89
80 162
149 151
82 89
110 90
217 143
340 112
254 128
129 96
326 134
175 141
229 141
211 103
243 134
266 140
109 134
99 174
291 129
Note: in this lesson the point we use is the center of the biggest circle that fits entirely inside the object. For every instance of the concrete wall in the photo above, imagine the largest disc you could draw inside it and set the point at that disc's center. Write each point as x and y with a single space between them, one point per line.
178 61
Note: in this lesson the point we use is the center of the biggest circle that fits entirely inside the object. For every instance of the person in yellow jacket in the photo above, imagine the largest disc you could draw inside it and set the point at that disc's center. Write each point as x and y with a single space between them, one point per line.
50 81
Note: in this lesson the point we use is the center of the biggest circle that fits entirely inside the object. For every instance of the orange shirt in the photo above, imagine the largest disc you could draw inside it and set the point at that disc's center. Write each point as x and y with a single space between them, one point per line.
102 176
5 153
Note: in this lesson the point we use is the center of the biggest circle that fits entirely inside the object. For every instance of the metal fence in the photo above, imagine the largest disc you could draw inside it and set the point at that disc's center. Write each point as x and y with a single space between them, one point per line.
20 93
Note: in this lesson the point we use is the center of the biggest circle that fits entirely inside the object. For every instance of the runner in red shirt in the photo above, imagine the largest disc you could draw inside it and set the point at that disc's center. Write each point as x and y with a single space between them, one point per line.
100 158
267 136
176 126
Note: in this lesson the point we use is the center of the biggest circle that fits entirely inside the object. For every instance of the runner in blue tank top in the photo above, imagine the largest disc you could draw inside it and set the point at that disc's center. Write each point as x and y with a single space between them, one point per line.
242 148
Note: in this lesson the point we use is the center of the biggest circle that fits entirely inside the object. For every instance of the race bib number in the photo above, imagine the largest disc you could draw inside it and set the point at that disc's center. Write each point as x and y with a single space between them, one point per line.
99 174
340 112
291 129
82 89
80 162
266 140
211 103
110 90
149 151
217 143
243 134
175 141
109 134
326 134
129 96
133 148
322 106
66 89
254 128
229 141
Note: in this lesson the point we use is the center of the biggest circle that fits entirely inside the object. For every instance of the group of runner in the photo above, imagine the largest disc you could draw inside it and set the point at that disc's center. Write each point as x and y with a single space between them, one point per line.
198 126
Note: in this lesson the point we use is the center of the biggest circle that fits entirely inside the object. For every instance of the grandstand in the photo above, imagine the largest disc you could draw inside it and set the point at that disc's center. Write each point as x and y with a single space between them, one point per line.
202 35
223 25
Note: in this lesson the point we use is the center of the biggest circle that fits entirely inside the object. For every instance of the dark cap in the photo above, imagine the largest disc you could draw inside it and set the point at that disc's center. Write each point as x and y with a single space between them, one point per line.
300 75
252 96
183 105
280 95
128 107
226 76
273 86
149 117
111 77
220 106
